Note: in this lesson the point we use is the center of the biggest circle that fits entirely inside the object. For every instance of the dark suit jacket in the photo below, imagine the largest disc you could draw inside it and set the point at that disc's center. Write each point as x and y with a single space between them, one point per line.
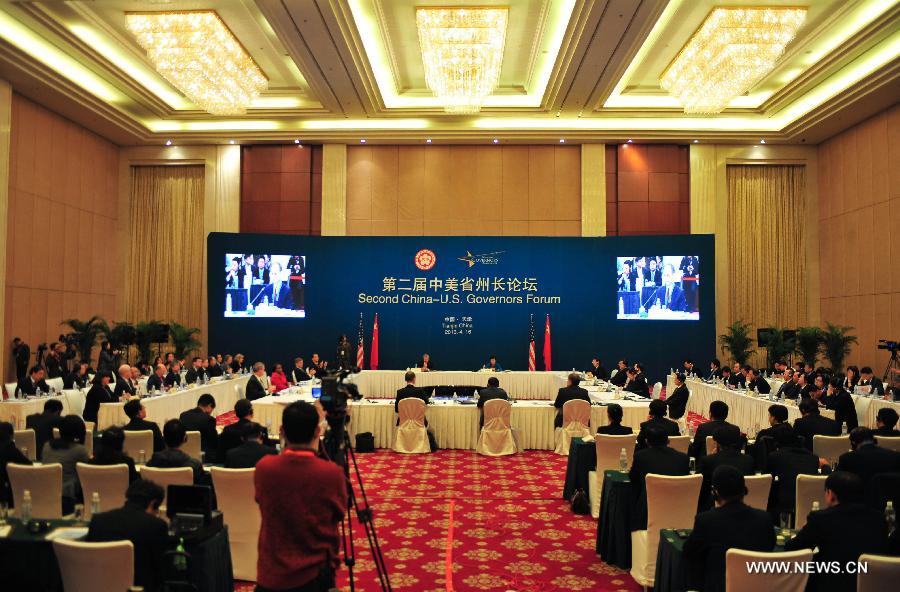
232 436
490 392
619 379
42 424
196 420
697 448
9 453
409 391
283 299
785 464
173 379
255 389
26 387
215 371
598 372
868 460
246 455
887 432
194 374
155 383
98 394
173 458
73 381
149 535
660 460
124 386
789 390
844 408
732 526
761 385
815 424
299 375
639 386
668 426
566 394
708 464
676 299
875 383
737 380
137 424
677 402
54 367
842 533
615 430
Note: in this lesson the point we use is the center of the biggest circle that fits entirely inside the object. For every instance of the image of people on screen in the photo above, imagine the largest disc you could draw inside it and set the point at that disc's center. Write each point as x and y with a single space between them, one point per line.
658 287
265 285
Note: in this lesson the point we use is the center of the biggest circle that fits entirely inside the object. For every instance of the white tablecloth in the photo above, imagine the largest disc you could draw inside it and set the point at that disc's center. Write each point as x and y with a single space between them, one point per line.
377 384
16 410
867 408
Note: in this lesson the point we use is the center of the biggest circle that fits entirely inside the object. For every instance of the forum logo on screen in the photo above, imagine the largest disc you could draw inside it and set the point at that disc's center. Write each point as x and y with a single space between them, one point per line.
425 259
483 258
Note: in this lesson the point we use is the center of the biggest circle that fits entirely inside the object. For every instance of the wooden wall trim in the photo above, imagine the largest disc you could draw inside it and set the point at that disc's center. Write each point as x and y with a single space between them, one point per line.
593 190
334 189
5 133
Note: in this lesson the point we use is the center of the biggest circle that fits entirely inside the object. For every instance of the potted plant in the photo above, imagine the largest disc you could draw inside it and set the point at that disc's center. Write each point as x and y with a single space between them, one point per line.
836 342
809 344
86 334
120 336
183 339
145 334
737 341
779 346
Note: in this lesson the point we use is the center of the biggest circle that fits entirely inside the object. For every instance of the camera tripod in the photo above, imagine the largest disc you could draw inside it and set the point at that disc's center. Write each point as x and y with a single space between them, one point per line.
891 377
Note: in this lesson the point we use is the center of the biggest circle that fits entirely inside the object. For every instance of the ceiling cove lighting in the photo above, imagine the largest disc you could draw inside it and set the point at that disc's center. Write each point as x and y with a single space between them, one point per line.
732 50
196 52
462 51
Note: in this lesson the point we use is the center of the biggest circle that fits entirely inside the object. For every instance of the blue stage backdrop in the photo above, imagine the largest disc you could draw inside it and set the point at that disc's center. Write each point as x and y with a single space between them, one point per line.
462 299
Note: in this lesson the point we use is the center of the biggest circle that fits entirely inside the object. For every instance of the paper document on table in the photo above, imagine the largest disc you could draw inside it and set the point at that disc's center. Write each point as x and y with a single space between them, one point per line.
70 533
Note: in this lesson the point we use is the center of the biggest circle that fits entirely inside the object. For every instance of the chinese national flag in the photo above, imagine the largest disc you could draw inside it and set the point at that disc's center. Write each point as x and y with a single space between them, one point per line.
547 345
373 355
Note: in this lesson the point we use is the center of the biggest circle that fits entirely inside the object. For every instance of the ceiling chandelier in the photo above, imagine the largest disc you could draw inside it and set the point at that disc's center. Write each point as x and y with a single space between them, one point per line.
196 52
732 51
462 50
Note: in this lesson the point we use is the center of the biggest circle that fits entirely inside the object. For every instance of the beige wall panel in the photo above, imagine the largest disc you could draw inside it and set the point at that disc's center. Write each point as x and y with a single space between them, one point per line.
38 244
359 183
463 184
515 228
489 187
406 227
384 227
893 136
384 185
411 183
567 184
438 167
515 183
541 190
359 227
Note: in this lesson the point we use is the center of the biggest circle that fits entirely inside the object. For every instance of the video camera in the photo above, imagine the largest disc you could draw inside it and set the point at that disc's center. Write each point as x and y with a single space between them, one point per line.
335 396
891 346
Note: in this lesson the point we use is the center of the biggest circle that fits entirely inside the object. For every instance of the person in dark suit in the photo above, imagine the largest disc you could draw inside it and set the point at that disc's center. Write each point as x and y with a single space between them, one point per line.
614 426
867 378
597 370
788 461
677 401
812 423
43 423
841 402
237 363
886 422
669 295
689 369
99 393
53 362
778 416
718 413
765 439
728 453
250 451
730 525
30 385
652 274
492 391
627 277
137 423
298 373
841 532
715 370
425 364
77 378
258 386
736 378
21 353
656 418
232 435
410 390
570 392
343 352
636 384
173 378
260 273
755 382
172 457
621 375
157 380
109 452
124 386
493 365
213 369
657 458
196 373
200 419
9 453
137 522
866 459
788 389
281 291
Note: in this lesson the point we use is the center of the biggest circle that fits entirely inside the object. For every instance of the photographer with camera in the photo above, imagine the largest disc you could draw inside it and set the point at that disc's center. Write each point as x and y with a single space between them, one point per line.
302 501
21 353
56 361
108 358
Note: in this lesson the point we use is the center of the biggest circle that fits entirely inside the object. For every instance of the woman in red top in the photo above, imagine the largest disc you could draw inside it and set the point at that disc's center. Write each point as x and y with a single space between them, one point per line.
278 379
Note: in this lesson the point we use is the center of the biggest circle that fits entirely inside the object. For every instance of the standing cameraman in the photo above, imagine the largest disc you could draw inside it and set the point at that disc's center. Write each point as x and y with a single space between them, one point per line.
21 356
302 500
107 361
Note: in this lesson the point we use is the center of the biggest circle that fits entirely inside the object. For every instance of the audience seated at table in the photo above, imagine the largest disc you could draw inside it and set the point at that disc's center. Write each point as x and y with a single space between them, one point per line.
213 369
491 391
656 418
68 450
570 392
597 370
687 367
137 521
788 389
812 423
718 413
172 457
886 423
258 386
200 419
108 451
677 400
636 384
137 413
728 443
866 459
621 376
736 377
426 364
410 390
789 460
9 453
851 378
237 363
43 423
99 393
157 381
755 381
657 458
842 403
765 438
31 384
298 373
614 414
278 378
493 365
715 370
841 532
173 378
232 435
731 524
868 379
77 378
251 450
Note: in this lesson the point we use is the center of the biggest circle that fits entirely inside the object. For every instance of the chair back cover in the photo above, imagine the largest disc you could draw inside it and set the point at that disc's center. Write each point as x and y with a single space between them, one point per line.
95 566
575 424
192 446
710 445
411 436
56 383
657 390
137 440
680 443
166 477
26 439
609 449
830 447
810 488
737 578
496 437
236 496
758 487
45 484
882 575
890 443
109 481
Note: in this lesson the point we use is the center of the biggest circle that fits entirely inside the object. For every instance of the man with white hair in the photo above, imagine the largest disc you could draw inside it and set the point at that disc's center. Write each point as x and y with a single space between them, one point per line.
258 386
157 381
125 387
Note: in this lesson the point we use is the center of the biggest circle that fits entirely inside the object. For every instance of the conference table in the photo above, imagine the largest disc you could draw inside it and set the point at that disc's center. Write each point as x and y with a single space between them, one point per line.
521 385
15 411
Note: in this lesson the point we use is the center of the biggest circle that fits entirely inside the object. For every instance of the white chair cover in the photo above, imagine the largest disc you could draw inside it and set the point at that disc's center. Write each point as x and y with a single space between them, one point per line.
680 443
236 495
411 437
88 437
657 390
137 440
831 447
95 566
56 383
671 503
192 446
710 445
11 389
575 424
496 438
737 578
609 449
109 481
758 487
166 477
890 443
810 488
26 439
882 575
45 484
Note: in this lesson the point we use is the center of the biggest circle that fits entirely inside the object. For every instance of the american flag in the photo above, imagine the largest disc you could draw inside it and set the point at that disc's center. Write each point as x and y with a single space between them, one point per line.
360 350
532 364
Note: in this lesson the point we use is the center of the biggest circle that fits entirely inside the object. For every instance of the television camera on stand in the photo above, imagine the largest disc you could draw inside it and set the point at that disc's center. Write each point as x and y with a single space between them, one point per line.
891 377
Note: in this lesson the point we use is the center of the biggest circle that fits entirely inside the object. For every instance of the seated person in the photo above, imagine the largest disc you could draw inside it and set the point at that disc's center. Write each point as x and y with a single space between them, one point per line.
789 460
657 458
737 379
621 376
410 390
173 378
842 532
298 373
570 392
196 373
688 368
172 456
157 381
718 413
730 525
77 379
124 387
213 368
868 379
842 403
656 418
31 384
715 370
614 427
778 416
232 435
597 370
68 450
425 364
278 379
886 423
491 391
137 422
137 521
258 386
728 443
865 459
670 295
492 365
636 384
200 419
43 423
108 451
9 453
812 423
788 389
677 400
251 450
755 382
100 393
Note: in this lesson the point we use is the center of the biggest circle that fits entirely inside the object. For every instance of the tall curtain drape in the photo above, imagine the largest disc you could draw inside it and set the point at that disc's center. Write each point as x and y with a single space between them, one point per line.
166 263
766 259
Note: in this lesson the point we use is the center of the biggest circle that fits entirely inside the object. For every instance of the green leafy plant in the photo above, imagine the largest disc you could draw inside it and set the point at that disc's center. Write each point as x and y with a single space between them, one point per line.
86 334
144 334
836 342
809 344
183 339
737 341
779 346
120 336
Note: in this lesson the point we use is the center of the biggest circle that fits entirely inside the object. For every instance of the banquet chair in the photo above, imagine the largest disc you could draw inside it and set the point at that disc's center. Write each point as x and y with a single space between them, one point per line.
609 449
137 440
26 439
758 487
108 481
710 445
890 443
680 443
671 503
657 390
56 384
575 424
810 488
45 484
11 390
192 446
496 437
883 573
410 435
830 447
88 437
236 500
95 566
737 578
166 477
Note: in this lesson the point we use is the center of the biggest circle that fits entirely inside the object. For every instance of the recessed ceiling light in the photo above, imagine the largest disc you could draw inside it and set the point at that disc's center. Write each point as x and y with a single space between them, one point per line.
562 140
297 141
762 141
363 141
428 141
496 141
168 142
696 141
231 141
629 141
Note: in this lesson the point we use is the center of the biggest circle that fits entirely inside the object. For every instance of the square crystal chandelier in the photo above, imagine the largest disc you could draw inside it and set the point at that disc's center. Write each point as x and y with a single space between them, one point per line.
732 50
462 51
199 55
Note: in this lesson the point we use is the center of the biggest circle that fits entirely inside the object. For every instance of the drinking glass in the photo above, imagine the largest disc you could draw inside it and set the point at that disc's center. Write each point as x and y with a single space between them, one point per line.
784 521
79 513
